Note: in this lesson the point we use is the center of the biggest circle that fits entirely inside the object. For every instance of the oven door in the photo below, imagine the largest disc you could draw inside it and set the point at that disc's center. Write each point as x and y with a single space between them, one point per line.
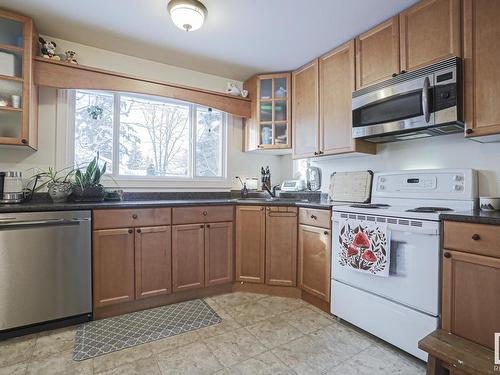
397 108
414 266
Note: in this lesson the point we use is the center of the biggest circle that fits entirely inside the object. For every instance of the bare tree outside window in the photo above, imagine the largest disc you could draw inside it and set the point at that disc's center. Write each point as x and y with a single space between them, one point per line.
93 126
163 131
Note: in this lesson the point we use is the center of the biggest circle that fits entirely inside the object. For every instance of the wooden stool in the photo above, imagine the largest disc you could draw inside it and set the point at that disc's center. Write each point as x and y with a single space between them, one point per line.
451 354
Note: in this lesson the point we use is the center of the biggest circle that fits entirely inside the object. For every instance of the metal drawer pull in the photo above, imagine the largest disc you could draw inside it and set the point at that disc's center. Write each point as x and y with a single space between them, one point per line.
325 232
447 255
139 231
134 216
476 237
205 213
130 231
314 217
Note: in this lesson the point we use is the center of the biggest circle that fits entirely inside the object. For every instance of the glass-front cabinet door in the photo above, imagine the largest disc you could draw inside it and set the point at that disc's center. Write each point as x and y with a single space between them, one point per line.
273 111
17 101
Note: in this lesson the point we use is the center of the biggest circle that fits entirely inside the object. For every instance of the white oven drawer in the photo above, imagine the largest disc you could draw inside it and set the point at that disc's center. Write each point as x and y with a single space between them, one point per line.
392 322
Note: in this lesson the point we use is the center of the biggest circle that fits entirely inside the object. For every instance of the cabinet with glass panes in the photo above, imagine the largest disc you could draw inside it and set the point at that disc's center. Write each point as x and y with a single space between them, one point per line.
269 126
18 101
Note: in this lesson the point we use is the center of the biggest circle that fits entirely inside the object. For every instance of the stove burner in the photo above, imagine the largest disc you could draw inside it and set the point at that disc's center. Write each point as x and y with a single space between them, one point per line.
429 209
370 205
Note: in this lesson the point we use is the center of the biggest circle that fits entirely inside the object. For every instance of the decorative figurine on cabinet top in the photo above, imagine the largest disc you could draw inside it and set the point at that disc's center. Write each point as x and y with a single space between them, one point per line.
71 57
48 49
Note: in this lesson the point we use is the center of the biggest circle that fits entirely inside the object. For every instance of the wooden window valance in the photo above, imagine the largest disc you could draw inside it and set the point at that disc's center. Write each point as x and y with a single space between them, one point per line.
63 75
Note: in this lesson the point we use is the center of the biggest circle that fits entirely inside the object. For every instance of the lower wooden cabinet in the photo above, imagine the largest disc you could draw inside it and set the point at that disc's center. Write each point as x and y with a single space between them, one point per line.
218 253
281 246
113 266
188 257
153 254
250 243
470 296
314 247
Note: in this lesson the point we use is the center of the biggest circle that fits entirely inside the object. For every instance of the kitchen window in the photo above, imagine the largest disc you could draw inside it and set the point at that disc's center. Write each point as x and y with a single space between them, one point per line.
147 137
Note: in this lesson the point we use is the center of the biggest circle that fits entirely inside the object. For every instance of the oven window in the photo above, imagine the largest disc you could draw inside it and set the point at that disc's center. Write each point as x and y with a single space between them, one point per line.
394 108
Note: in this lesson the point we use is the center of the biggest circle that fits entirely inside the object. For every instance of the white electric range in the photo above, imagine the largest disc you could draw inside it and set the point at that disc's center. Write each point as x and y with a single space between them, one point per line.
405 306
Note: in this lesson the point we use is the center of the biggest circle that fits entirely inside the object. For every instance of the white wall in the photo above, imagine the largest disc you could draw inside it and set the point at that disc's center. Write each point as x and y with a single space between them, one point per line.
452 151
239 163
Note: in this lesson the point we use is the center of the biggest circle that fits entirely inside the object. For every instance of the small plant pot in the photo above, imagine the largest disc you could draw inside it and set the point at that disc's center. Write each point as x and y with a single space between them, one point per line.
59 191
91 194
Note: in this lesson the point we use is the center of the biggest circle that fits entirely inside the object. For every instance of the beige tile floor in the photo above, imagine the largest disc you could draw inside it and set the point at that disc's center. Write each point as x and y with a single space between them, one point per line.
259 335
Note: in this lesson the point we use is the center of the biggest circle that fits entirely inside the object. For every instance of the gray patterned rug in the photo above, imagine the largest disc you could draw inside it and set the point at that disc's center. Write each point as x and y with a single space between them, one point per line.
109 335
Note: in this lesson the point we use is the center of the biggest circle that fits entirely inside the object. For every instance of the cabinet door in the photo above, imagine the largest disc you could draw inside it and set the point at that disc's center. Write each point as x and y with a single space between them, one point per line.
188 257
470 296
305 111
430 31
113 261
481 57
314 261
153 261
337 80
250 243
218 253
377 53
281 246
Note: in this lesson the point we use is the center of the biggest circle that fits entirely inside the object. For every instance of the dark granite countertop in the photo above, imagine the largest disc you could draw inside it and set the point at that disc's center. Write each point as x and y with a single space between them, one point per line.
475 216
45 205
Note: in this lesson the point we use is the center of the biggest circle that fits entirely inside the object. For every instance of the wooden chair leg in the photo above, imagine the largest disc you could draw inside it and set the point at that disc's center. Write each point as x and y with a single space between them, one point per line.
434 366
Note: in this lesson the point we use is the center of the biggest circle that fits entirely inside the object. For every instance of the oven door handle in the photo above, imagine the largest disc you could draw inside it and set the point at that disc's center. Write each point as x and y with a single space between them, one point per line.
425 100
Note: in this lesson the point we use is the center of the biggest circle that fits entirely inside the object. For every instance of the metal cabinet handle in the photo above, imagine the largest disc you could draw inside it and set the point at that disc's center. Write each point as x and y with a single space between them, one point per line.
130 231
315 153
394 74
139 230
202 226
208 225
325 232
447 255
134 216
314 217
468 131
262 208
205 213
476 237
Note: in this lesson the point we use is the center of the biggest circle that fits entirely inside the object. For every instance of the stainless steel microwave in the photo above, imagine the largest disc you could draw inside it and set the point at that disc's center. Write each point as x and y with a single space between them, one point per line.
412 105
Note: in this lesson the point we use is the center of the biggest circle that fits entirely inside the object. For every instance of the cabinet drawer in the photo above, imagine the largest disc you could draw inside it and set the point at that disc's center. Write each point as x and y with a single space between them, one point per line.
124 217
314 217
481 239
202 214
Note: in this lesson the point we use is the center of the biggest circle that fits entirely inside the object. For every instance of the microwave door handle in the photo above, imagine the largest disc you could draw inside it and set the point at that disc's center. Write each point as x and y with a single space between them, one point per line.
425 99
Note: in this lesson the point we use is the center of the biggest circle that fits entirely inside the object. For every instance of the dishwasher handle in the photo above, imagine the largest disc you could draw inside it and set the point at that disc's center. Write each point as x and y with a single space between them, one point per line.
41 223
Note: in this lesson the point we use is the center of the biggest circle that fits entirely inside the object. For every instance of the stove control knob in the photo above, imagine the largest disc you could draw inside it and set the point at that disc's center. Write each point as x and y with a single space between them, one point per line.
458 188
457 177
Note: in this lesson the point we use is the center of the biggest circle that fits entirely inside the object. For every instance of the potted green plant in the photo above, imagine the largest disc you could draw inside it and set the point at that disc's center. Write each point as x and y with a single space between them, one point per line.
87 185
58 183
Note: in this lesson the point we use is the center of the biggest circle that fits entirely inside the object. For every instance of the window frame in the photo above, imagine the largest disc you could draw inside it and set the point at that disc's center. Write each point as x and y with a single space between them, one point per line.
69 97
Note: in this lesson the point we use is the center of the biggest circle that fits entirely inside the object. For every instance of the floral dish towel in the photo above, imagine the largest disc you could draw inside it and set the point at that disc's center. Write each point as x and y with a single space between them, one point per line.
365 247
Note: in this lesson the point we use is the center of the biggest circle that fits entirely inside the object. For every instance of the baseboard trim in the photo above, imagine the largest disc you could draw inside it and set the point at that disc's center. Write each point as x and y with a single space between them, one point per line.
148 303
273 290
315 301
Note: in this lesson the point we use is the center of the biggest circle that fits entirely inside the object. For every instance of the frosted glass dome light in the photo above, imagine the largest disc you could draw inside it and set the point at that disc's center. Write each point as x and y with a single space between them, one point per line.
187 15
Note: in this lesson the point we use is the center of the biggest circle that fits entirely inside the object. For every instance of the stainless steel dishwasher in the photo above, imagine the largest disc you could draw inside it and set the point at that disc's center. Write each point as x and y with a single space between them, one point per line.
45 267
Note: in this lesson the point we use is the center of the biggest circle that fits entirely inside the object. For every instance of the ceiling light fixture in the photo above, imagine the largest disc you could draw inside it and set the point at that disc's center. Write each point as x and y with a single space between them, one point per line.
187 15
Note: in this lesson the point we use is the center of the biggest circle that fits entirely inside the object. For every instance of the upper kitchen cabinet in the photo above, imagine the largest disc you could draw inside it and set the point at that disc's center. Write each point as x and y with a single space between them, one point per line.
336 84
305 110
482 76
18 94
377 53
429 32
269 125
